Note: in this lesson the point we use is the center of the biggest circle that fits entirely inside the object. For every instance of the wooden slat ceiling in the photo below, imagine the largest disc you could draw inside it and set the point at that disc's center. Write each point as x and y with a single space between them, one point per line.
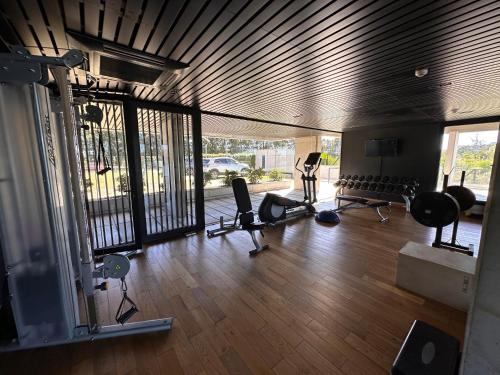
227 127
331 65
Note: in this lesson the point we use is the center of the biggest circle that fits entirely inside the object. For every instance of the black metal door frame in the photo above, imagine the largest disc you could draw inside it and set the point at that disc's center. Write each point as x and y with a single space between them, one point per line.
86 150
132 130
130 118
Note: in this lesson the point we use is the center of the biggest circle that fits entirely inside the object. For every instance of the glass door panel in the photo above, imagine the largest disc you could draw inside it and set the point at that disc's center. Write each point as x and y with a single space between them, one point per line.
166 156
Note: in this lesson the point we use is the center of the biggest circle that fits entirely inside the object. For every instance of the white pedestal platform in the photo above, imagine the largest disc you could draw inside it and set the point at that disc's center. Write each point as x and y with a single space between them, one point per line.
439 274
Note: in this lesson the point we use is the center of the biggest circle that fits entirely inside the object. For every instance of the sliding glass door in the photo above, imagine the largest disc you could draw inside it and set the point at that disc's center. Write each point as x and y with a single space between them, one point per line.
142 171
167 168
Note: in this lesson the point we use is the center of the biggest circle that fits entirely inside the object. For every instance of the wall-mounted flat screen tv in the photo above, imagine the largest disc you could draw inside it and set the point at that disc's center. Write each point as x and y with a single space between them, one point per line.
381 147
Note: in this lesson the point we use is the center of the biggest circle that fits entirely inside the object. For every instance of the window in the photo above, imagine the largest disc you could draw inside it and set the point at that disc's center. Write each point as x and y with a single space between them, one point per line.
471 149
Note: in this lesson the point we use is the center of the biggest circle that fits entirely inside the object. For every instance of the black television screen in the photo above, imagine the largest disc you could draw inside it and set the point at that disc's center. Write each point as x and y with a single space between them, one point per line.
381 147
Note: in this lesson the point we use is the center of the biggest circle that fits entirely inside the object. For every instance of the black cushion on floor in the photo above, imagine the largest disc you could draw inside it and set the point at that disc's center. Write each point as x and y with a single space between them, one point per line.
427 351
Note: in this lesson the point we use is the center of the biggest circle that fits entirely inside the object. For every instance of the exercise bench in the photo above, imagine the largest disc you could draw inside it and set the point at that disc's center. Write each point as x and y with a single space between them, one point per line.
244 218
357 202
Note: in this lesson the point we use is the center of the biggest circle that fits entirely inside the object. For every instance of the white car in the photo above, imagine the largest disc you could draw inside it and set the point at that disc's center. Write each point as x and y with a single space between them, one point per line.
217 166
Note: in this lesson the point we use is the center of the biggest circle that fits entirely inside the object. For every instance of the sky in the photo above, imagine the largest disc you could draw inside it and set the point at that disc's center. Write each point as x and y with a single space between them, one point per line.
465 138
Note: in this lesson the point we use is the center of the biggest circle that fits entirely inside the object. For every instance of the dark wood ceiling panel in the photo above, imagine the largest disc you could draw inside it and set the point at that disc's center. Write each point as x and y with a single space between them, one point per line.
56 24
331 65
204 20
217 126
264 58
91 11
14 14
71 13
231 11
168 20
148 23
112 11
458 55
336 56
189 18
129 20
39 27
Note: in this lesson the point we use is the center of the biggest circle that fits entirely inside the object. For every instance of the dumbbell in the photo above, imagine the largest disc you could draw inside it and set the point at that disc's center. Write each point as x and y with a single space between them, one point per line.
400 188
373 186
365 185
350 184
389 188
385 179
377 179
380 187
369 178
361 178
355 177
343 182
357 185
394 179
409 191
348 177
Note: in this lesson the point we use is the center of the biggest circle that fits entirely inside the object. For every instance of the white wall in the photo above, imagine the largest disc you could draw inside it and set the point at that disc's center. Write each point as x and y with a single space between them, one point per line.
279 158
482 342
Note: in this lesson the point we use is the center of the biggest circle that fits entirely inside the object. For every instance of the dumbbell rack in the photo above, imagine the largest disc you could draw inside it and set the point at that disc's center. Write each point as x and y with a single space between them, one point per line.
378 187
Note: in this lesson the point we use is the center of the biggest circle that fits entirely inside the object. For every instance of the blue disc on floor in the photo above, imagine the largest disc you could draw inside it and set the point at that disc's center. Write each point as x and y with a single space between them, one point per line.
328 216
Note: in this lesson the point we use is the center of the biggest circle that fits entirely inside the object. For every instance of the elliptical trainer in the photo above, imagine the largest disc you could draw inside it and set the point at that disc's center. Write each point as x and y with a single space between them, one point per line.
275 208
311 164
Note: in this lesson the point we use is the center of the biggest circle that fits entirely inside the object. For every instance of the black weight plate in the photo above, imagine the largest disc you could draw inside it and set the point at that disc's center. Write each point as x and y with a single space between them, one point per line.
369 178
373 186
348 177
398 189
380 187
394 180
361 178
385 179
464 196
350 184
389 188
434 209
377 178
355 177
365 185
343 182
357 185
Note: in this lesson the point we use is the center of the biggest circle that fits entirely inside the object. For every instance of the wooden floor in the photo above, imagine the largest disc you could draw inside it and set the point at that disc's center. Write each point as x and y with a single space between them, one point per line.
321 300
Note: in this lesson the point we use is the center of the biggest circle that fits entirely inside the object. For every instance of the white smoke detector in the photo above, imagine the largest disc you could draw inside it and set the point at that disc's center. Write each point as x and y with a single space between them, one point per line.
421 72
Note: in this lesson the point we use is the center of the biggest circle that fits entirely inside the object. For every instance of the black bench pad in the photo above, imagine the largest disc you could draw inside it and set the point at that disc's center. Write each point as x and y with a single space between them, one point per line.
379 204
349 198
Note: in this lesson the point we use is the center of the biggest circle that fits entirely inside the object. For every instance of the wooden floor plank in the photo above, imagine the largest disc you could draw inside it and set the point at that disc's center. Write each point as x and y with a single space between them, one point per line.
320 300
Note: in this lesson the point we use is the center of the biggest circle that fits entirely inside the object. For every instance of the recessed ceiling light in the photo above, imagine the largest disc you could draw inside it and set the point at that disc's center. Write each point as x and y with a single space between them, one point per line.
421 72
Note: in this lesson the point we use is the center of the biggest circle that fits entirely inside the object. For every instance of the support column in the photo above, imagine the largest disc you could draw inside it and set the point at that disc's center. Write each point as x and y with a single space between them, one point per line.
480 353
451 152
304 146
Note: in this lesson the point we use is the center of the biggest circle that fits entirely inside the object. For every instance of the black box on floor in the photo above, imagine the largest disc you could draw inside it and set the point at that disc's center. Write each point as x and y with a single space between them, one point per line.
427 351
